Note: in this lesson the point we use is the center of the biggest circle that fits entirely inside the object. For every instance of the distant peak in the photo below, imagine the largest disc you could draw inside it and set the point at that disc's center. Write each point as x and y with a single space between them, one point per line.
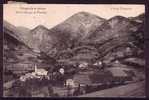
141 15
40 27
118 18
83 13
87 14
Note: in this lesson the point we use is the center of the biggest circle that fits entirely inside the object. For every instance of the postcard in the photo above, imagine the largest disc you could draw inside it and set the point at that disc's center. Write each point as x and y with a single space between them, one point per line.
73 50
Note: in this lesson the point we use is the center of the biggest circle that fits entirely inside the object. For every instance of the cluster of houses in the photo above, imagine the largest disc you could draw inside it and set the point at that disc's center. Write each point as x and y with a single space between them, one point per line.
78 80
37 73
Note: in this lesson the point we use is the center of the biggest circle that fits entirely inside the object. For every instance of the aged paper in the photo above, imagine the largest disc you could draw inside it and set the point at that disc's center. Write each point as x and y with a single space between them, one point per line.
62 50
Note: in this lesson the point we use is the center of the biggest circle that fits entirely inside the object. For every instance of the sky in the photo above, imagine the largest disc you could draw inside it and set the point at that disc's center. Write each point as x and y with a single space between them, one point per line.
49 15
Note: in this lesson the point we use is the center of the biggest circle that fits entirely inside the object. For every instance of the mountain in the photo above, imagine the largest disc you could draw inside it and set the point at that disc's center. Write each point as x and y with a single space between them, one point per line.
79 25
43 40
67 34
23 29
112 33
114 27
140 18
86 36
23 32
19 57
115 34
37 35
119 38
16 52
74 29
33 39
11 30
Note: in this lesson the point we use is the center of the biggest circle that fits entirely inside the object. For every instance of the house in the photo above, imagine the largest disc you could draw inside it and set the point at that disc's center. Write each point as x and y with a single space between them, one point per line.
70 82
23 78
83 65
36 51
36 74
61 70
98 63
40 71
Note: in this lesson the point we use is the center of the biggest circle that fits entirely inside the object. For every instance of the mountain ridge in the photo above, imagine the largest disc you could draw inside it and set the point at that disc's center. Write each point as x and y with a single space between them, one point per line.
71 33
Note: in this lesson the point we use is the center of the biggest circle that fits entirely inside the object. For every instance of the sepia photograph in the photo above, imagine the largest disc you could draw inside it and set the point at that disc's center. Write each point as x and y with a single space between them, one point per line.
73 50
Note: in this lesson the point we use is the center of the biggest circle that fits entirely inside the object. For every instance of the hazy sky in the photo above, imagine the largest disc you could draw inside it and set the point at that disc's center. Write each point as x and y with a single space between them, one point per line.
49 15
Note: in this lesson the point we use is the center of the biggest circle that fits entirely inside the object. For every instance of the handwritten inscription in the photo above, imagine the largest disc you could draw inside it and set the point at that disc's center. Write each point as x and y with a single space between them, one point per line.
120 8
31 10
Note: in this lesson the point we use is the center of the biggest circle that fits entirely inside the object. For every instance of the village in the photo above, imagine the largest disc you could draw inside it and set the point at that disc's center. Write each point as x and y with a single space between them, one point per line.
74 81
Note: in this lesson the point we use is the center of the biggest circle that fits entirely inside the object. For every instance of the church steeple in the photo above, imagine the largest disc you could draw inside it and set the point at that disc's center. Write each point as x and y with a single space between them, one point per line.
35 68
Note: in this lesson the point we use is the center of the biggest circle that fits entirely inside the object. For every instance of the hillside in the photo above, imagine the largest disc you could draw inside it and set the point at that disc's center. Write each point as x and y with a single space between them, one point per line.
86 37
130 90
